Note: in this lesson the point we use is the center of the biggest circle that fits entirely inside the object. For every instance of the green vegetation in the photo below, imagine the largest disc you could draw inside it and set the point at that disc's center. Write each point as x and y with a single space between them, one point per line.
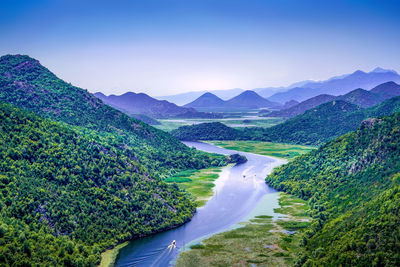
286 151
353 187
108 257
206 131
262 241
235 121
314 127
28 85
198 183
74 188
66 196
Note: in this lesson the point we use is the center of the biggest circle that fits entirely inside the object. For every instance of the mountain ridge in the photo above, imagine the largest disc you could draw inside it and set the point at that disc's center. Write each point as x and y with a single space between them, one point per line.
141 103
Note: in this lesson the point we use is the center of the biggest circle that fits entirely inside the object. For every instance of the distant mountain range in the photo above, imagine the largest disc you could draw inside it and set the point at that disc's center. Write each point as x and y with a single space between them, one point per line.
359 97
184 98
303 90
133 104
245 100
337 86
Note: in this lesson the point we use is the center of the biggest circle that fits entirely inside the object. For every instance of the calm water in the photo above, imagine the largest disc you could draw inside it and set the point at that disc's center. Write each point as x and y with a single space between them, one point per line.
237 192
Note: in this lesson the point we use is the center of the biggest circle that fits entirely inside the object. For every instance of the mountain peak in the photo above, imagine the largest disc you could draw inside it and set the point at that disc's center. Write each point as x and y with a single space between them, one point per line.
358 72
381 70
208 94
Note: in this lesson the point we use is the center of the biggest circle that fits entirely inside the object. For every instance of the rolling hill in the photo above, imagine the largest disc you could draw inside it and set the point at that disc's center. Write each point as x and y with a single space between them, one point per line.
352 184
206 131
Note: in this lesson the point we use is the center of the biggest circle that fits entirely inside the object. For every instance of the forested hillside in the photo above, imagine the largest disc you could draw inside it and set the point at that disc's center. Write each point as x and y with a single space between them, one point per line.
72 188
353 187
65 195
325 122
207 131
25 83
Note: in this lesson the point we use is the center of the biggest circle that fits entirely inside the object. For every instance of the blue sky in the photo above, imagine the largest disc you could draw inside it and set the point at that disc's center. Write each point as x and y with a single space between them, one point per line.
171 46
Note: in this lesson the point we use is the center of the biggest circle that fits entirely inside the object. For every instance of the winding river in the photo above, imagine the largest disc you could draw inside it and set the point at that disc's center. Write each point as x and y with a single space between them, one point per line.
237 193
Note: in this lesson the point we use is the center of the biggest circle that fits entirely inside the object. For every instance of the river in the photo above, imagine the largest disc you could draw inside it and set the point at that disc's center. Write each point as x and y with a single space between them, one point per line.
237 192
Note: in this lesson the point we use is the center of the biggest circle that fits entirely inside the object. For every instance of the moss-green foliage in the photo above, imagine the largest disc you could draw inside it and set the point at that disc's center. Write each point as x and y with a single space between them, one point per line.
265 148
352 184
28 85
65 196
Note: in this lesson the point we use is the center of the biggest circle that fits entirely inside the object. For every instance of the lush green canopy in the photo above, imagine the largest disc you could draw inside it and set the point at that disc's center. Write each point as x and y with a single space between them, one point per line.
352 184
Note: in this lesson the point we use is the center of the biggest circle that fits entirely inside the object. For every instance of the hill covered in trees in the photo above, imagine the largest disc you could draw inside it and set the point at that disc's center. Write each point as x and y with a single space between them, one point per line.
66 195
353 187
78 176
315 127
25 83
324 122
207 131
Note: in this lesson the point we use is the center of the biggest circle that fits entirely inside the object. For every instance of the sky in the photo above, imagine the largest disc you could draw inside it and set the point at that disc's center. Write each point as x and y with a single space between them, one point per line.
172 46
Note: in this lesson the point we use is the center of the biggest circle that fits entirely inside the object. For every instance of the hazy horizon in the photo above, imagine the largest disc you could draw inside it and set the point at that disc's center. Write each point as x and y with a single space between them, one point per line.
170 47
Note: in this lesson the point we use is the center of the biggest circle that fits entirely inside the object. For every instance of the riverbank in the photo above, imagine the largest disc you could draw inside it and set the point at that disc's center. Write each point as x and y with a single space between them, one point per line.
109 256
271 239
279 150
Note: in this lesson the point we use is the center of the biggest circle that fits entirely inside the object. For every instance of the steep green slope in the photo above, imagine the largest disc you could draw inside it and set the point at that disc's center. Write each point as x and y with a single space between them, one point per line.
66 195
316 124
25 83
324 122
352 184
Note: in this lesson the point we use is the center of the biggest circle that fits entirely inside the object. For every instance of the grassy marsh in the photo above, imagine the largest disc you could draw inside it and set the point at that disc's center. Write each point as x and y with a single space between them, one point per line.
278 150
199 183
262 241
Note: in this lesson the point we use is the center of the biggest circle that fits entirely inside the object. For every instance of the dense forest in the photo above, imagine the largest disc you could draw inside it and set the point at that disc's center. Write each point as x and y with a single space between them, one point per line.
315 127
25 83
66 194
76 175
353 187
